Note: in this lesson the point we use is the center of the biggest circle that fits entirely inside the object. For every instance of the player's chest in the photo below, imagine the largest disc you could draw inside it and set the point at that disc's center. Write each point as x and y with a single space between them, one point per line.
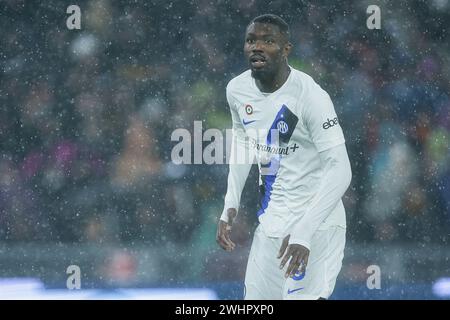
259 115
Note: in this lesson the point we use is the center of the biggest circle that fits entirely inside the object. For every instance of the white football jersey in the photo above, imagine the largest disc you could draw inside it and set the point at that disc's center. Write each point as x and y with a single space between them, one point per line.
303 116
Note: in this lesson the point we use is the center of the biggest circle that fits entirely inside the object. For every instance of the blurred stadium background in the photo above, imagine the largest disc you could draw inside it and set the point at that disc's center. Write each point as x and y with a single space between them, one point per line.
85 122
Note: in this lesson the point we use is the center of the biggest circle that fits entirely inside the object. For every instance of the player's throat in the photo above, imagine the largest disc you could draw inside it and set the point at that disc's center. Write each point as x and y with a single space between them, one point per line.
272 83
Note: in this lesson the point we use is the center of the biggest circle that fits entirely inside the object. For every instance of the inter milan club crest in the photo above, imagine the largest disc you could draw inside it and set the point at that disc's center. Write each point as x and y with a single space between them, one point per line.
248 109
282 127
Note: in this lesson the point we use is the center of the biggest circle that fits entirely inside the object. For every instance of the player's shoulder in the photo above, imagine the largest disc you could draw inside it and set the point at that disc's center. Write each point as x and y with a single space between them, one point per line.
240 82
312 98
307 84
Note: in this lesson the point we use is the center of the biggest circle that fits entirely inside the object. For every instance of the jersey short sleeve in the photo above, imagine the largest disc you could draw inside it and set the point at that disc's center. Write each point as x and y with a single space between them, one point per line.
321 120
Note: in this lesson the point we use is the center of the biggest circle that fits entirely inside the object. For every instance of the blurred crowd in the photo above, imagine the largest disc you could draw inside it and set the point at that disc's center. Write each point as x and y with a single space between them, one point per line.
86 116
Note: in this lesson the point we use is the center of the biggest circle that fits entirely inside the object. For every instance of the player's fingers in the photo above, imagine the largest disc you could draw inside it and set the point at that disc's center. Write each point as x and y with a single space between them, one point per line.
221 242
228 239
293 266
225 232
304 262
226 245
302 267
292 269
221 238
283 247
304 258
285 258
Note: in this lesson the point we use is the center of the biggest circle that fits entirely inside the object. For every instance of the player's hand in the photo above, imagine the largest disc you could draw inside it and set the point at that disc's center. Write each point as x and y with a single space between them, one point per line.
299 257
224 231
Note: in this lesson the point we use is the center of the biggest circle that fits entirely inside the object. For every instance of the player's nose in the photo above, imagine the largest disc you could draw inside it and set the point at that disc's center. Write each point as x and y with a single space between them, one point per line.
257 46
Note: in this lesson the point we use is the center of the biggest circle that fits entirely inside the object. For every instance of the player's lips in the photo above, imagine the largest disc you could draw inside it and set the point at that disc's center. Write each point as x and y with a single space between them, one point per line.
257 61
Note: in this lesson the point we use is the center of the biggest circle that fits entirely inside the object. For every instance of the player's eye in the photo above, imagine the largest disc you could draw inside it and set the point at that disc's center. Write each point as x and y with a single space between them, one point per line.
250 41
270 41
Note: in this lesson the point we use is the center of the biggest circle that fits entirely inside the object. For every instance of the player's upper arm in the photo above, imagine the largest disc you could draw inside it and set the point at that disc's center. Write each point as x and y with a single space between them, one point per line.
321 120
236 121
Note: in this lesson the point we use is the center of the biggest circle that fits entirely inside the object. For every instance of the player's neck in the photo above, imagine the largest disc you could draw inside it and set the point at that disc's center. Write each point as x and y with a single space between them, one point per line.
271 84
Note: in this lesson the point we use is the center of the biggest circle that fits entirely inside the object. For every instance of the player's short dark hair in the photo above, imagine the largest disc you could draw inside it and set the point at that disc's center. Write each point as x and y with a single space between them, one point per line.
275 20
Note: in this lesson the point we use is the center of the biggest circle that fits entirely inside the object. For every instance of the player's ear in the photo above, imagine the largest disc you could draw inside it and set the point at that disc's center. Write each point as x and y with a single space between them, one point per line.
287 49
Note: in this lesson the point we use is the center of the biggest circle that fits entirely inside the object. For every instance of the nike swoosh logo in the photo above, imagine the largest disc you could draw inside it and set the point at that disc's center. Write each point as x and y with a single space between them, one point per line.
247 122
292 291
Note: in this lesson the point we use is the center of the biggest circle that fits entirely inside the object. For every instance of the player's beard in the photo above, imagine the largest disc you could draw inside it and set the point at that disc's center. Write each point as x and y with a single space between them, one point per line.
268 73
259 74
264 74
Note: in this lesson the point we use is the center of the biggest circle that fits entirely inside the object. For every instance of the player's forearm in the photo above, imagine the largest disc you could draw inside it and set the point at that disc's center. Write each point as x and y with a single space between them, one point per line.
239 168
335 181
236 180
